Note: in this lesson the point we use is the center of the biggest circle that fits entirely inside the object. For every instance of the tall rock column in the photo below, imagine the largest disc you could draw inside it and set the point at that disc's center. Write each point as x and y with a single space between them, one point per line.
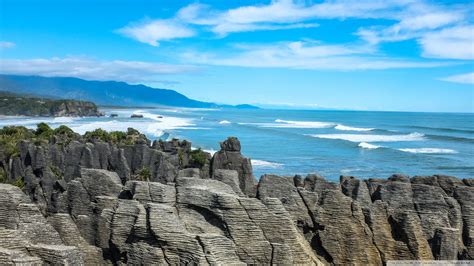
229 157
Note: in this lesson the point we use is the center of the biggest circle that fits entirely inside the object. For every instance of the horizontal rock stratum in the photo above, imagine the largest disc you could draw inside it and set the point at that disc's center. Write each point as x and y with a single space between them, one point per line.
110 198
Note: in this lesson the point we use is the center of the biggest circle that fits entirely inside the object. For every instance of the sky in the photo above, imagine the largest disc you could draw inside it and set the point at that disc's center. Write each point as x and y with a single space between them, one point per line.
405 55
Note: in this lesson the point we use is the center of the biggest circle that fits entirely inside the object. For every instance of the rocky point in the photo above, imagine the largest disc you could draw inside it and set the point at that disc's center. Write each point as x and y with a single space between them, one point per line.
118 198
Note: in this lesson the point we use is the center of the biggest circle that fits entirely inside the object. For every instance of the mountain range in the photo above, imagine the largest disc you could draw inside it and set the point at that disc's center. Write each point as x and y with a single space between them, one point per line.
110 93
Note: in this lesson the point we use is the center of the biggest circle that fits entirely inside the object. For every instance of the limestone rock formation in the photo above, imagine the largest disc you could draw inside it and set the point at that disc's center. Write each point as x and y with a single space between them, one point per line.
90 201
229 157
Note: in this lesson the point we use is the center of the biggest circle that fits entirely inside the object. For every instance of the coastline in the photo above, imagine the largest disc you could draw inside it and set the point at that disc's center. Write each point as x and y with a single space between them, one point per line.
122 196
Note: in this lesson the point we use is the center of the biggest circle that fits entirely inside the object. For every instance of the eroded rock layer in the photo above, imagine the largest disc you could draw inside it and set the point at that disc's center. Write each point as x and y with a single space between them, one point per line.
93 202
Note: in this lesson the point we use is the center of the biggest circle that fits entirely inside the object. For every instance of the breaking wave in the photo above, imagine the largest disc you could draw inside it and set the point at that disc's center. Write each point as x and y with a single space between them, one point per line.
429 150
372 138
346 128
368 146
279 123
265 164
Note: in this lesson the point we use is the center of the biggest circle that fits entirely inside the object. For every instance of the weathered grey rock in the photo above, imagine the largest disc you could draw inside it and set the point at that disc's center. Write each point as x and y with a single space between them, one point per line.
203 215
465 196
190 172
349 240
445 244
356 189
99 182
229 157
229 177
57 255
283 188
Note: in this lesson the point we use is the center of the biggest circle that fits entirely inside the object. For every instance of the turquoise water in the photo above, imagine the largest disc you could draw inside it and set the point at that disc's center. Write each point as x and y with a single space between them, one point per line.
332 143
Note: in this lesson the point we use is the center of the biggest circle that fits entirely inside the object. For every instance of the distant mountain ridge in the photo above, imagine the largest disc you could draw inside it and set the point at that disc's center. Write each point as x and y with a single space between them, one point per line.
102 92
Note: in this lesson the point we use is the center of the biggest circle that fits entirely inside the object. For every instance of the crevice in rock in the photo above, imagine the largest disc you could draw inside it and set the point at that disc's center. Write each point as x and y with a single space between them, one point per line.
203 249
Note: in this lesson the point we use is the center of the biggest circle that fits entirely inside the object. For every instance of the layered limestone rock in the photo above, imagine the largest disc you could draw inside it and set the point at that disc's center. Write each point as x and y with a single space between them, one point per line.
94 202
26 237
229 157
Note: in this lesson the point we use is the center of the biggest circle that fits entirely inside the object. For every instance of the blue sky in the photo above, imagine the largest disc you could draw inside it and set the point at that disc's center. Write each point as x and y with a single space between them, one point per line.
367 55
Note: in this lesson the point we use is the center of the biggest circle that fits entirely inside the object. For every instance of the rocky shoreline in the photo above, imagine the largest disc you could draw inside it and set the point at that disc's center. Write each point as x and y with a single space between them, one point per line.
12 104
118 198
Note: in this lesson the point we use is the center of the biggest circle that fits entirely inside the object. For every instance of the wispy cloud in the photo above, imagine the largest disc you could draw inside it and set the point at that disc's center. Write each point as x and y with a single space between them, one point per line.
153 31
455 43
129 71
434 26
6 44
467 78
305 55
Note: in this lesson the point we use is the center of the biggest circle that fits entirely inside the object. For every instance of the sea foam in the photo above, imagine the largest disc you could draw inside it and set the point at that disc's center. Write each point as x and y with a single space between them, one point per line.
368 146
265 164
224 122
346 128
429 150
372 138
279 123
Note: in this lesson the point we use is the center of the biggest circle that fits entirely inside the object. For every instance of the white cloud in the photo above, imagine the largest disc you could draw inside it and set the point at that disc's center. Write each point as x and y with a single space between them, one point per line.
467 78
6 44
454 43
224 29
86 68
153 31
417 20
305 55
282 14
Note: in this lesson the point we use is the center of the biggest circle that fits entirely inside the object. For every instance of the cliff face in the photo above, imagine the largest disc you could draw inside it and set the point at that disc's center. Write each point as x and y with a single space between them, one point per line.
13 104
96 202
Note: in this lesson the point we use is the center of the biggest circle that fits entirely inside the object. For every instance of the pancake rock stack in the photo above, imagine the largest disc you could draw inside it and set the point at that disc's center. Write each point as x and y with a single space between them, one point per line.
97 202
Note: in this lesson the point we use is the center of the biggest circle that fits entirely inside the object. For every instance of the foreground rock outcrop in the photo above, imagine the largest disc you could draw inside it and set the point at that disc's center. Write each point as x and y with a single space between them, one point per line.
99 199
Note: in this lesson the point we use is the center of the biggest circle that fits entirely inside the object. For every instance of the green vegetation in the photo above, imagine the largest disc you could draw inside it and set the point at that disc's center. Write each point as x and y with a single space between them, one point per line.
15 104
116 137
10 136
19 183
44 131
144 174
3 175
56 171
4 180
198 158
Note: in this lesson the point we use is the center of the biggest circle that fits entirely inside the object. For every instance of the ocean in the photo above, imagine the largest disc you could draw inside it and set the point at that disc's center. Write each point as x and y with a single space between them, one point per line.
289 142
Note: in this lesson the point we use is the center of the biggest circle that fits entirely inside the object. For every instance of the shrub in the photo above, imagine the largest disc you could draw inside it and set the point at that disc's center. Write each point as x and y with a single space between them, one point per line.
63 130
19 183
198 158
132 131
44 131
98 134
117 136
144 174
10 136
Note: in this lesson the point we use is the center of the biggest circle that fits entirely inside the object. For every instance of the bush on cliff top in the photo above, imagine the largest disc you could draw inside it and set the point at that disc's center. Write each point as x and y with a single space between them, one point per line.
116 137
10 136
198 158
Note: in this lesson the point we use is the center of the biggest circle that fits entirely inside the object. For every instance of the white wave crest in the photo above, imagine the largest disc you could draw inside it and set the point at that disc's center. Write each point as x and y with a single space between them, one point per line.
155 128
224 122
429 150
372 138
346 128
265 164
279 123
211 151
368 146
